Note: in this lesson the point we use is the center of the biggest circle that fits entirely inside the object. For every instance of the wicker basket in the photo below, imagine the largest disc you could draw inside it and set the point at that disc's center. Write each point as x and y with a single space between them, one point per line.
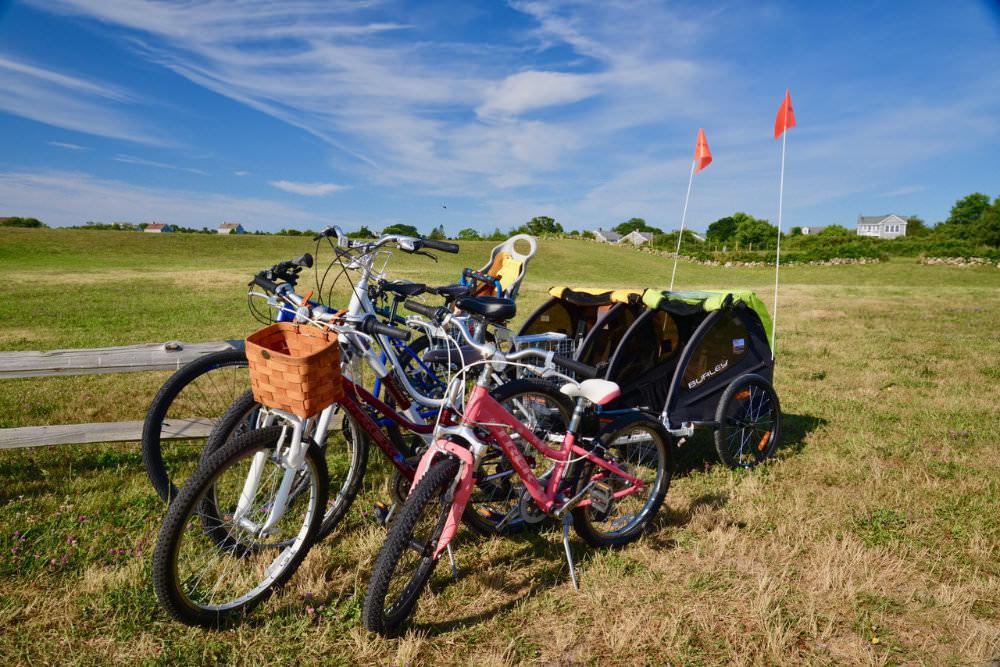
294 368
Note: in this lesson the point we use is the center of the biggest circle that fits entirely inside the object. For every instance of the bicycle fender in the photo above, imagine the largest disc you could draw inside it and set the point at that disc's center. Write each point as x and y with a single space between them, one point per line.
463 491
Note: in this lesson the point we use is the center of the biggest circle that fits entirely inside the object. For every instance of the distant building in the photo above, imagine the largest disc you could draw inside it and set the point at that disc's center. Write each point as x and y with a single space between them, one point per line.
812 231
636 237
606 235
231 228
881 226
158 228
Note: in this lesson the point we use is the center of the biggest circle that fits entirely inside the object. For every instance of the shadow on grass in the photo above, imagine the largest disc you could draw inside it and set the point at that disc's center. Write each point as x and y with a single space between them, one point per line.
698 453
547 545
551 575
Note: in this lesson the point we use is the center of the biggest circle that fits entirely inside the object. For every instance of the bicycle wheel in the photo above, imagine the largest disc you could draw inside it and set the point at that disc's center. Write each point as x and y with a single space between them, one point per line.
213 563
493 508
192 399
637 445
422 381
405 563
749 418
345 451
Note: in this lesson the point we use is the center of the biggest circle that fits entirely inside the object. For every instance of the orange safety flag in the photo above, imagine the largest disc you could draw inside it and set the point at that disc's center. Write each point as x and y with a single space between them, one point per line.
702 156
786 116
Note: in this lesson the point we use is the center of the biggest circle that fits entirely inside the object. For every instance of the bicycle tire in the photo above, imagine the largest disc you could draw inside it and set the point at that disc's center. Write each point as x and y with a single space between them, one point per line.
374 615
585 519
735 416
167 579
156 467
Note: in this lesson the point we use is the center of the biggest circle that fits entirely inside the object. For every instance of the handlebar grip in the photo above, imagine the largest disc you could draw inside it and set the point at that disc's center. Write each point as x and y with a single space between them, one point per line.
443 246
582 370
268 285
430 312
372 326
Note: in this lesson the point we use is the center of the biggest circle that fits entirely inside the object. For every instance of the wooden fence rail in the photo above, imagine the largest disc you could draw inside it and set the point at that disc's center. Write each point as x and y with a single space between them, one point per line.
122 359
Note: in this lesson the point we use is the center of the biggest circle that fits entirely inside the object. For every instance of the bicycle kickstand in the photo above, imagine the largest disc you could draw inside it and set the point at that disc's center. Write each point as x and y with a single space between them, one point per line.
567 520
454 568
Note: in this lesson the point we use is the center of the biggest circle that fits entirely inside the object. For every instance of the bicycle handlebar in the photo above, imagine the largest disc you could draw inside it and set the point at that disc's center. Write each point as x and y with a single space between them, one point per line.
268 285
435 313
406 243
371 326
443 246
579 368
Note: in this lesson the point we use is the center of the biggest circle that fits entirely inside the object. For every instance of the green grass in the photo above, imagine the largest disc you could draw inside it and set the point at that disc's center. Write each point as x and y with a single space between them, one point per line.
876 520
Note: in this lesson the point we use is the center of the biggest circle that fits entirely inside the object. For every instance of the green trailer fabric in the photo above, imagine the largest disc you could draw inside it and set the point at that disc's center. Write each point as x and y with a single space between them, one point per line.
684 303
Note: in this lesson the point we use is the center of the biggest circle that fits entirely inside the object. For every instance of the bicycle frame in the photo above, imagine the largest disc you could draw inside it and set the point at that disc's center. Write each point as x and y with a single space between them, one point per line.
317 428
485 412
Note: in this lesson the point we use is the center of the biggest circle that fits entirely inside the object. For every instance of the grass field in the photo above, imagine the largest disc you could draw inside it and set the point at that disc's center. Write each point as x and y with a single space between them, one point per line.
873 537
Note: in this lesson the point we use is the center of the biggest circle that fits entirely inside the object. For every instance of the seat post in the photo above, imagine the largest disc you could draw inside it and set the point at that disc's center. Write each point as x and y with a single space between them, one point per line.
578 410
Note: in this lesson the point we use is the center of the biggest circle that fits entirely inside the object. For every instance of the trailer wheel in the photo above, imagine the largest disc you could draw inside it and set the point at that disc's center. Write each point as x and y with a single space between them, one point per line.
748 422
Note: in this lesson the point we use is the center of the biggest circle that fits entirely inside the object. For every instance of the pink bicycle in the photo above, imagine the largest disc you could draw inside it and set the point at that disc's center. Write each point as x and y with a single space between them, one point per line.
608 488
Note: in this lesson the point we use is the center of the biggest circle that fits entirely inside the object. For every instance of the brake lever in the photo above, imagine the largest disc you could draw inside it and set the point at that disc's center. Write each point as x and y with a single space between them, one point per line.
424 252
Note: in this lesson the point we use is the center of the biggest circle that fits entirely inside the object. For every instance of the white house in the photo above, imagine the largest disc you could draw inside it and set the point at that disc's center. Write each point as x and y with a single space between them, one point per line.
231 228
606 235
636 237
881 226
158 228
812 231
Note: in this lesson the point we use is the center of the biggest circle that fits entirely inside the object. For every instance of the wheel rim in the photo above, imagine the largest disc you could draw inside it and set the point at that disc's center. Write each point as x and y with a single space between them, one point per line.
341 451
637 452
750 426
218 564
205 399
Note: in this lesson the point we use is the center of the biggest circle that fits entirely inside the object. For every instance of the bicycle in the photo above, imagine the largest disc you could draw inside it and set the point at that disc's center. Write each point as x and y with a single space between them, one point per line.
201 392
242 523
609 488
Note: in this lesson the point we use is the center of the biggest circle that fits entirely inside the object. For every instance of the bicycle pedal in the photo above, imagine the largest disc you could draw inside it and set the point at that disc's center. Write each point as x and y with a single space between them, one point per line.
601 497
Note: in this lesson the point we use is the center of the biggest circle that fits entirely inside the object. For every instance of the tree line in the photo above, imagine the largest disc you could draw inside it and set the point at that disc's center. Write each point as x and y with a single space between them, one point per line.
973 220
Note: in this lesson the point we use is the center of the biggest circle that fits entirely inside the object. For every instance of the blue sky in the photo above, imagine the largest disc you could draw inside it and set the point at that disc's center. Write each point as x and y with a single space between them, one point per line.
306 113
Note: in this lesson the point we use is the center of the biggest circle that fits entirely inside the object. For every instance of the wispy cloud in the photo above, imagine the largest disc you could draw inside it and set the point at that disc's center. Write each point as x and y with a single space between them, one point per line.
904 190
143 162
70 102
308 189
411 112
62 198
68 146
241 173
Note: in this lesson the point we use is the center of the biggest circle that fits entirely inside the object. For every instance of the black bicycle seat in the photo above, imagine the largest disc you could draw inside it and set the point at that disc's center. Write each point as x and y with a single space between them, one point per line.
451 291
492 308
405 289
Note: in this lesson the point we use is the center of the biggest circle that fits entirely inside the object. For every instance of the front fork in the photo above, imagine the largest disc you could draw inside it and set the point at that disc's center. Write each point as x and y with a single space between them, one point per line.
291 459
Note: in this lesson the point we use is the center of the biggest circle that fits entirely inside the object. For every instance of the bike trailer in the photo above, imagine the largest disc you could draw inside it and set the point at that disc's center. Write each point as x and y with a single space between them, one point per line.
684 349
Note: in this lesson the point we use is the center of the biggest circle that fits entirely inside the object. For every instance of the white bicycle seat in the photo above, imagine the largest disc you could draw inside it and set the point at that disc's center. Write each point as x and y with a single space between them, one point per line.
598 392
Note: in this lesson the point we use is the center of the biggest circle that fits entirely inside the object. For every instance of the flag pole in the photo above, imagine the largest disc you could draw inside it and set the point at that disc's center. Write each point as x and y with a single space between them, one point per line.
777 259
680 236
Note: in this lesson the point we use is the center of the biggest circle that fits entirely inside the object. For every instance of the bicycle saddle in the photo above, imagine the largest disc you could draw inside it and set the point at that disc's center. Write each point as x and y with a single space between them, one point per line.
598 392
451 291
405 289
462 356
491 308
